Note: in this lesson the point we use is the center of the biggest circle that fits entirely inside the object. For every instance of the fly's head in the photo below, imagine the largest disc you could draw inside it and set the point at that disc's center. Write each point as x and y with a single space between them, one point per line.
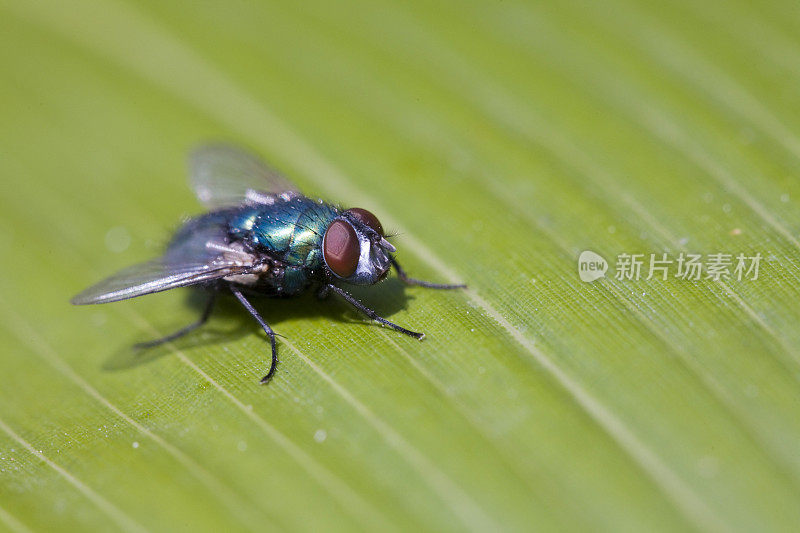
355 248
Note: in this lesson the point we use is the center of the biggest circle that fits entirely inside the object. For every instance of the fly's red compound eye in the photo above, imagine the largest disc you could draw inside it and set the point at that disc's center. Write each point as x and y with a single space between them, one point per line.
367 218
341 248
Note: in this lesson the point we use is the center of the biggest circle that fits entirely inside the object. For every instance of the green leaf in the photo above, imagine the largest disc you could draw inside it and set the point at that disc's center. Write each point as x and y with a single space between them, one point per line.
499 141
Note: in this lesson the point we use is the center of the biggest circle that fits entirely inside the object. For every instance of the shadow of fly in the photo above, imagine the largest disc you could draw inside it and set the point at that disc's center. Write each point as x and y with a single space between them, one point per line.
261 236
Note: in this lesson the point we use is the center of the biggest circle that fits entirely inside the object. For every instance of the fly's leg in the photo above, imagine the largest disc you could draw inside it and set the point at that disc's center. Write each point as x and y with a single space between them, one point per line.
372 314
428 285
183 331
268 330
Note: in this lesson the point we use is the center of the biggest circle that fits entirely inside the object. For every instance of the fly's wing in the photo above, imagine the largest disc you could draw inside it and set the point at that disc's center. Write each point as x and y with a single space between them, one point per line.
223 175
198 253
153 276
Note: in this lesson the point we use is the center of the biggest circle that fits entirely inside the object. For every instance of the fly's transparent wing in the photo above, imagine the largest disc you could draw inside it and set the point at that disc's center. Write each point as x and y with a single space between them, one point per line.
153 276
223 175
199 252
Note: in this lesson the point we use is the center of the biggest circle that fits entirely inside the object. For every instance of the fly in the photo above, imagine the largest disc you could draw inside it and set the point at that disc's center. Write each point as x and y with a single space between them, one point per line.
261 236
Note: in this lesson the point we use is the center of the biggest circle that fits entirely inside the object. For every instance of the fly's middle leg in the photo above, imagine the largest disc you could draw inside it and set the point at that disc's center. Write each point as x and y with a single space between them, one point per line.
263 323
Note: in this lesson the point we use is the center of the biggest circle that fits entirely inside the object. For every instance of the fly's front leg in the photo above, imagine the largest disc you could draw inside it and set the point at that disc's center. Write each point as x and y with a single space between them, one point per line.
372 314
263 323
419 283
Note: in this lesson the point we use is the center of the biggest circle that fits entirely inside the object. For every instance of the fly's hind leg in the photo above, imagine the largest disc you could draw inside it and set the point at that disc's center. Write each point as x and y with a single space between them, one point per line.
184 330
263 323
419 283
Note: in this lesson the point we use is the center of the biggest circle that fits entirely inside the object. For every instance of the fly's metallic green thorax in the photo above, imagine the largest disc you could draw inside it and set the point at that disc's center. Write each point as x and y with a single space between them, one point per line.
293 229
287 230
